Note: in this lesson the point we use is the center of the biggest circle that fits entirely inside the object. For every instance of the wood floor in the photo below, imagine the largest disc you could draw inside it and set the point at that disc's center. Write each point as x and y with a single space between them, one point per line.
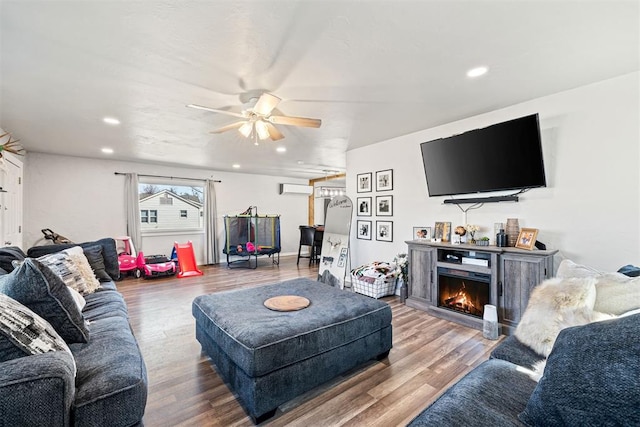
428 355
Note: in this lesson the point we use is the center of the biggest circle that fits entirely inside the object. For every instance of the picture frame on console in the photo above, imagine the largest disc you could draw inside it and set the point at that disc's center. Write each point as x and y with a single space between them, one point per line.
527 238
421 233
364 229
384 180
384 205
364 206
443 231
384 231
364 182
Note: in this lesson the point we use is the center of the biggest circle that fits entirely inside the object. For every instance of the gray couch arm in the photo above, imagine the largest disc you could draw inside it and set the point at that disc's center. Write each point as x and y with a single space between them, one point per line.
37 390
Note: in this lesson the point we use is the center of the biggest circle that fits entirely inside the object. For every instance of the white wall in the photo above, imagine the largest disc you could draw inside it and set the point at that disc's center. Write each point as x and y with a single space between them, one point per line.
83 199
590 209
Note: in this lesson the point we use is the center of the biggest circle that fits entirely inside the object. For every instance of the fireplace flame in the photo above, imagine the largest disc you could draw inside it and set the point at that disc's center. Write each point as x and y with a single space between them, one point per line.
460 301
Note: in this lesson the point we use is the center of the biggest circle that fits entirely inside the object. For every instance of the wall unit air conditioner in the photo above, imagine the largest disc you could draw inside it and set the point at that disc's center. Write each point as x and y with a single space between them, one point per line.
296 189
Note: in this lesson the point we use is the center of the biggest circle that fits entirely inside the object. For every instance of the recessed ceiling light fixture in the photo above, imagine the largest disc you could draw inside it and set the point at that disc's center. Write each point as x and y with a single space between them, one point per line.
281 149
107 150
477 72
235 166
111 121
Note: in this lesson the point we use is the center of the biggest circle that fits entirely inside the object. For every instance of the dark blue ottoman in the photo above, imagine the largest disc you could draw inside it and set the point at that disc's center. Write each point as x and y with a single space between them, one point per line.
269 357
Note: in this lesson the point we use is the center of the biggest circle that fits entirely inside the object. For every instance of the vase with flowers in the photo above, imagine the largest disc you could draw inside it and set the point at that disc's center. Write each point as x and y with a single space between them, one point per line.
402 264
471 229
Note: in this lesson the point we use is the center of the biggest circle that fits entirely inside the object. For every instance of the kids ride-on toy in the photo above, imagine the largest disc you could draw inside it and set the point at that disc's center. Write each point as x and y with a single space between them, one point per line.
154 266
127 260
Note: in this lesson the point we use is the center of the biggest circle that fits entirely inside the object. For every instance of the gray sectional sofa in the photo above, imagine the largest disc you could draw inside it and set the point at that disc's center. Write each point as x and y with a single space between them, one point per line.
591 376
101 382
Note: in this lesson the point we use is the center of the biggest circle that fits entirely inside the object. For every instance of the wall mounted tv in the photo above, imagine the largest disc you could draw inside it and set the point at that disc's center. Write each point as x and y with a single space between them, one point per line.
504 156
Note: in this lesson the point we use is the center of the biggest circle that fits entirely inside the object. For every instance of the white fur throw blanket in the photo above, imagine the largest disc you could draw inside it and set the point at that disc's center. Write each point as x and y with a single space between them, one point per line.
556 304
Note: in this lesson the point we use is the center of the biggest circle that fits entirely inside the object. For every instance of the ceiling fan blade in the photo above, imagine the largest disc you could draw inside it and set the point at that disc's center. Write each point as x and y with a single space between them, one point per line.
265 104
235 125
214 110
295 121
274 133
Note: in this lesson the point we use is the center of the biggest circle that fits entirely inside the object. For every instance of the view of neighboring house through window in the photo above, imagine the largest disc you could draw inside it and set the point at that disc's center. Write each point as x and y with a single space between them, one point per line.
166 207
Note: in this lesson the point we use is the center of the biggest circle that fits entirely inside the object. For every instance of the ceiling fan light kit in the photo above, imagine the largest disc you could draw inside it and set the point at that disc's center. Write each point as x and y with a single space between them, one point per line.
258 122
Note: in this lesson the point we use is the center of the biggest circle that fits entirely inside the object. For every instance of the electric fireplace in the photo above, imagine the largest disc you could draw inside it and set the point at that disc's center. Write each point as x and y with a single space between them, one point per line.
463 291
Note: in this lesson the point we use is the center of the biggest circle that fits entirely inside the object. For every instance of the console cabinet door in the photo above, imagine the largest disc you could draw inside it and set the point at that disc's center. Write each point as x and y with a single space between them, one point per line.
519 274
422 265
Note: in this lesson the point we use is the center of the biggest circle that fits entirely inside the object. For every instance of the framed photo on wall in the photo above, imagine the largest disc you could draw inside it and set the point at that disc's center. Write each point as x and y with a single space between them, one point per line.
384 205
364 182
364 206
384 180
384 231
364 230
443 231
527 238
422 233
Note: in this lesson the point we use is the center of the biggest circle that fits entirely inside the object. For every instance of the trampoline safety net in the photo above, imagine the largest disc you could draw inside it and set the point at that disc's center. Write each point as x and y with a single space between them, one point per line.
251 235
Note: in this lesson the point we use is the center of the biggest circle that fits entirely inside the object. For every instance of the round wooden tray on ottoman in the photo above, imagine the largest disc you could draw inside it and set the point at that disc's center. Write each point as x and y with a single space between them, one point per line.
287 303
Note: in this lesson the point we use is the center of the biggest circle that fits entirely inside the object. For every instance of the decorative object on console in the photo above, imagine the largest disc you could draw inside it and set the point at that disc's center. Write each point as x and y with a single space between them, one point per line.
460 231
421 233
527 238
384 180
471 229
384 231
502 240
483 241
512 230
384 205
443 231
364 182
364 206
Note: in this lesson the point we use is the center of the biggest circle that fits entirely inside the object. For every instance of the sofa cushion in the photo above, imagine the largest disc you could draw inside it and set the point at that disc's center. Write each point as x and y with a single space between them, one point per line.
36 286
109 253
493 394
592 377
96 260
554 305
512 350
104 304
111 384
9 254
23 332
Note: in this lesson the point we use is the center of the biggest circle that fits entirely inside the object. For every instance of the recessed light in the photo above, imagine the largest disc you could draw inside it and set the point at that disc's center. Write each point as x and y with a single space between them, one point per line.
477 72
235 166
281 149
107 150
300 162
111 121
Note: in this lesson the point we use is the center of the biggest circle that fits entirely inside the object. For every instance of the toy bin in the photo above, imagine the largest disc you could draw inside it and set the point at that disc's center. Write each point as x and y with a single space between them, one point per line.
376 280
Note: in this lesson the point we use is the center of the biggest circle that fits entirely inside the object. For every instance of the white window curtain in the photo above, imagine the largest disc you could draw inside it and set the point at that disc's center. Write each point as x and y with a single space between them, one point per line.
211 226
133 209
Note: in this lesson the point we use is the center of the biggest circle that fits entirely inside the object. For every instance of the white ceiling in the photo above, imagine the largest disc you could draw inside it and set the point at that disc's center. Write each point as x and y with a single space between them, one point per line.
371 70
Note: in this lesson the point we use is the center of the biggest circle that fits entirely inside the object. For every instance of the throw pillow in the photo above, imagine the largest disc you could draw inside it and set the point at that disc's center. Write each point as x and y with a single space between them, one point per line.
568 269
62 264
23 333
617 293
591 378
84 268
96 260
555 304
42 291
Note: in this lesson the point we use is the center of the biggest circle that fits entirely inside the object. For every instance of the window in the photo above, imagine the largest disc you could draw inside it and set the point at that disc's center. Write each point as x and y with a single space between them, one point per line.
165 206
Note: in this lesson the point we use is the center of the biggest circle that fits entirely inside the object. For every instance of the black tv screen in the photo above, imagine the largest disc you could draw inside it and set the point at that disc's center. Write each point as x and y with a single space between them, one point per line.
504 156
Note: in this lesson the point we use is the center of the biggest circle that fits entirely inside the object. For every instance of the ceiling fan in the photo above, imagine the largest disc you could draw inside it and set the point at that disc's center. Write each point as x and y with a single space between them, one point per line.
258 122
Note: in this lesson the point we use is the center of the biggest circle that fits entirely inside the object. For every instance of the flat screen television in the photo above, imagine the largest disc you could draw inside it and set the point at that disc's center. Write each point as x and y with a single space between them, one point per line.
504 156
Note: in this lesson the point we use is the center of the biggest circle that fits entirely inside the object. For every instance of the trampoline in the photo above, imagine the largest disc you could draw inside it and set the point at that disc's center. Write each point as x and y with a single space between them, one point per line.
251 236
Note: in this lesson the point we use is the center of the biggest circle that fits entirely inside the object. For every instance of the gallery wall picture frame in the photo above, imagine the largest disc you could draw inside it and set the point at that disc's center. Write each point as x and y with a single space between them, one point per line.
527 238
384 231
364 182
384 205
421 233
364 229
364 206
443 231
384 180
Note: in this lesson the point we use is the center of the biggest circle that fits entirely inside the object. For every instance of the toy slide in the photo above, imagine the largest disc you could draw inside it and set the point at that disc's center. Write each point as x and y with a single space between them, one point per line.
186 260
